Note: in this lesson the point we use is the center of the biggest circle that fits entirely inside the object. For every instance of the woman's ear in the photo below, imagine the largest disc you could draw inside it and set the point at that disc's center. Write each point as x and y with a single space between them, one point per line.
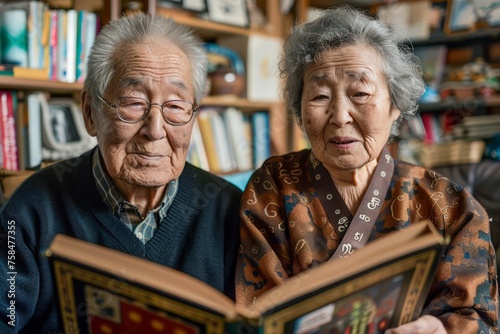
87 114
395 113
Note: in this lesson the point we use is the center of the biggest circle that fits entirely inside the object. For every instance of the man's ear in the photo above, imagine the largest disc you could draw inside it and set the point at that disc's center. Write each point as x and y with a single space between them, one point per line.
87 114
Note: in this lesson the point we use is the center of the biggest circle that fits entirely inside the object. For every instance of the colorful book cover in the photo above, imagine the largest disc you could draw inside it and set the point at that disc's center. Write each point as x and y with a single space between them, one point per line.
53 56
71 34
261 137
103 291
14 36
8 130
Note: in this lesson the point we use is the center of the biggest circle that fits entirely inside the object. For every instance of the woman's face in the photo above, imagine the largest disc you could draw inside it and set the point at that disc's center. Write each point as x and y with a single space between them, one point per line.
346 108
152 152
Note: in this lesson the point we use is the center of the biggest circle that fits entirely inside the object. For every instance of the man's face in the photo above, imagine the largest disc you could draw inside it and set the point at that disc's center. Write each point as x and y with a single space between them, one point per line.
152 152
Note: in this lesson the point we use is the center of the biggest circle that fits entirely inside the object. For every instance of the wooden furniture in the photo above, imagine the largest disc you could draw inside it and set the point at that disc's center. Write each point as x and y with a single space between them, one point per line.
209 31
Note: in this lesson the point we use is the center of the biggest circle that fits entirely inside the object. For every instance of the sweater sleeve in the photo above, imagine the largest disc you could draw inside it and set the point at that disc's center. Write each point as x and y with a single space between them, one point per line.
20 267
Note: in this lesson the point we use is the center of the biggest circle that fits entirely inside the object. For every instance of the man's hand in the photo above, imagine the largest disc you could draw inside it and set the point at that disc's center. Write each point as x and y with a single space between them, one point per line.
426 324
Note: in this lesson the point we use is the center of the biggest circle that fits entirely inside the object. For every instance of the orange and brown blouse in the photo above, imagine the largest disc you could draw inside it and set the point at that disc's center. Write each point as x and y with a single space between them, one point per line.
286 230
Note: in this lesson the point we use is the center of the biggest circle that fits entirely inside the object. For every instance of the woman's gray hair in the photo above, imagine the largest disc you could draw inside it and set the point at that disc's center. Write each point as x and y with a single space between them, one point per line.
342 26
118 34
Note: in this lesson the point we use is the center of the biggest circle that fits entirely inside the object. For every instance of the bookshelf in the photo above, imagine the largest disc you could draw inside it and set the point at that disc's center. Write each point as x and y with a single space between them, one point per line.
210 31
460 47
238 38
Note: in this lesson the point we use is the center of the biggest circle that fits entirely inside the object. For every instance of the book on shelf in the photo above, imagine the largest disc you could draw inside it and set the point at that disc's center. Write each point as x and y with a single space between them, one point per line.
86 33
197 154
14 33
30 73
53 45
208 137
34 129
71 34
36 34
62 44
240 142
8 137
225 154
433 129
7 69
103 290
478 127
452 153
433 61
28 130
230 139
261 137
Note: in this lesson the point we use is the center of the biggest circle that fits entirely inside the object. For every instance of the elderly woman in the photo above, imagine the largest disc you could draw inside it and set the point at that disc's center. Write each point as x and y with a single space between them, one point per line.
349 82
134 192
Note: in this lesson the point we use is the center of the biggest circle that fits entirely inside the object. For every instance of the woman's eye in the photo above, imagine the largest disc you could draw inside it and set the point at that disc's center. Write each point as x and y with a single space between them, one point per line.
360 94
320 98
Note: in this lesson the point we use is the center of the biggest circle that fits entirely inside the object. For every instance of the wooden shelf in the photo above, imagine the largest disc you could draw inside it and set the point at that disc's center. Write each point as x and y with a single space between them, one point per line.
205 28
451 103
233 101
465 37
8 82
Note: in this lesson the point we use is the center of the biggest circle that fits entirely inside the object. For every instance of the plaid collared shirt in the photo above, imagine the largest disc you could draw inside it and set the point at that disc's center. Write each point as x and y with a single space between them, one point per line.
128 213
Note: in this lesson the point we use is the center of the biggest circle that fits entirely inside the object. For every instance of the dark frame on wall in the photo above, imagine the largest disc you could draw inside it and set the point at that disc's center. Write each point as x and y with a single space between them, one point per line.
232 12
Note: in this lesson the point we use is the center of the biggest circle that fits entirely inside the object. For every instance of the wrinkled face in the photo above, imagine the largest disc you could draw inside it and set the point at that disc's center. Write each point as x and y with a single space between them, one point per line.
152 152
346 108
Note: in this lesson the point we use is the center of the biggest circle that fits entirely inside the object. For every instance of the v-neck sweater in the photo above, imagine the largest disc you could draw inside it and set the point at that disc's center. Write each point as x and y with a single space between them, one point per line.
199 235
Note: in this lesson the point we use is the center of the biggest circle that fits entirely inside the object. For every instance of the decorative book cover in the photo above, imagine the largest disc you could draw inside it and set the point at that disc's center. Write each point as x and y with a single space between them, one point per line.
14 34
102 291
8 138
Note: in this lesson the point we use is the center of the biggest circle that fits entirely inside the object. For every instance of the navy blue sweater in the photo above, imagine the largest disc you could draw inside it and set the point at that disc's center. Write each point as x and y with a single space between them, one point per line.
199 236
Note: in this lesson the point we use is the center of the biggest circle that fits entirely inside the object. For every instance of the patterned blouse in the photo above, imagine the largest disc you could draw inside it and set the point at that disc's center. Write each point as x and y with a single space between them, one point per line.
285 230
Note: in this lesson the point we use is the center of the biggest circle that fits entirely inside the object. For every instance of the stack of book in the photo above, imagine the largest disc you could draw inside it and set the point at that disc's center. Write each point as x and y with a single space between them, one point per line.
478 127
452 153
39 42
226 140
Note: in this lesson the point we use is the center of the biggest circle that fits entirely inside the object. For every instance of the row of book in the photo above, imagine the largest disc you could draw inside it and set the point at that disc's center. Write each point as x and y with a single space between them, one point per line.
226 140
435 128
438 139
37 42
35 128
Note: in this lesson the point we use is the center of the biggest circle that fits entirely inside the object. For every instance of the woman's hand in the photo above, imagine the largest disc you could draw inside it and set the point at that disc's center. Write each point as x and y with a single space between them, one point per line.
426 324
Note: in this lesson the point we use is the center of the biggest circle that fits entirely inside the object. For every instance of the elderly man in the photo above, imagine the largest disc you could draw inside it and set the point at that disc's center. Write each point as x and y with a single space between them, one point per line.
134 192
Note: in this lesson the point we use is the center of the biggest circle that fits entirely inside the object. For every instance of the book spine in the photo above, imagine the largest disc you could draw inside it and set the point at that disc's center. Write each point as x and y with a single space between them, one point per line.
33 35
61 47
197 154
90 34
9 141
53 45
71 32
45 38
14 36
81 30
239 142
209 139
261 138
34 129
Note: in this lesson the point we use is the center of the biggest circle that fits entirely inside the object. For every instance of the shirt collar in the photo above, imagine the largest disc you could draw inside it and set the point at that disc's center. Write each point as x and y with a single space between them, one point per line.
113 198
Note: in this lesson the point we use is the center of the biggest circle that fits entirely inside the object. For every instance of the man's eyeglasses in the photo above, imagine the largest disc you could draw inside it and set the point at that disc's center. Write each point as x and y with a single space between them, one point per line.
135 109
